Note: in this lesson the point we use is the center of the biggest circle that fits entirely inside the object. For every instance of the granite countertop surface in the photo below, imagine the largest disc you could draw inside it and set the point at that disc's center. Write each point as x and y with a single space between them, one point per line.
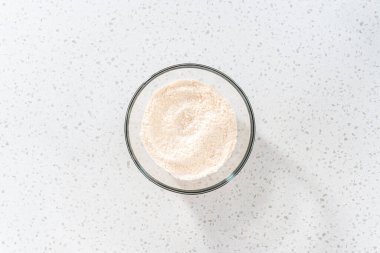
311 70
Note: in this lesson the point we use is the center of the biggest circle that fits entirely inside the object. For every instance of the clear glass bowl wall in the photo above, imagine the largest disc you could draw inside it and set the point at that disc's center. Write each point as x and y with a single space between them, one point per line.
227 88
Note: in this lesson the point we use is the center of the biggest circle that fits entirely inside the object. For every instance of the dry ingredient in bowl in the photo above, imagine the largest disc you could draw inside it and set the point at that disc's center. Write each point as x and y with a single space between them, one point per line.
189 129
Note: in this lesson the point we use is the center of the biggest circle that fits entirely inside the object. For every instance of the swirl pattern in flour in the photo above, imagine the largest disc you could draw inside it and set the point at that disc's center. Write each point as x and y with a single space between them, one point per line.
189 129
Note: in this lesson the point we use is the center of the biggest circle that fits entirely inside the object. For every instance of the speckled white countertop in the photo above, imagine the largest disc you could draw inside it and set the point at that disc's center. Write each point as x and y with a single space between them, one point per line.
311 70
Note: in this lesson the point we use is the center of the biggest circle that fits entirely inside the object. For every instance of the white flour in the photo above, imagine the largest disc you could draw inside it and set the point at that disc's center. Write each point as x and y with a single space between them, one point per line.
189 129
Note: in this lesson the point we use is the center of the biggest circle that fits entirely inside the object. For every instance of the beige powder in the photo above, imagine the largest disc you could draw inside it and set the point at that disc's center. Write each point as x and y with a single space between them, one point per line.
189 129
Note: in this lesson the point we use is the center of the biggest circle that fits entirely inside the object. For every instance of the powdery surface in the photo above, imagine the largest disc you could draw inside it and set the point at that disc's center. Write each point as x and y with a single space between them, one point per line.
189 129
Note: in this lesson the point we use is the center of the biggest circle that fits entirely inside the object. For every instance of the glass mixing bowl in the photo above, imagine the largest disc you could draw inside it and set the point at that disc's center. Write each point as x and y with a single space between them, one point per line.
227 88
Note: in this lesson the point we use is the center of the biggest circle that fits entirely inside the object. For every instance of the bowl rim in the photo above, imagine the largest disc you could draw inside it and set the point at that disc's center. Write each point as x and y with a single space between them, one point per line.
235 171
